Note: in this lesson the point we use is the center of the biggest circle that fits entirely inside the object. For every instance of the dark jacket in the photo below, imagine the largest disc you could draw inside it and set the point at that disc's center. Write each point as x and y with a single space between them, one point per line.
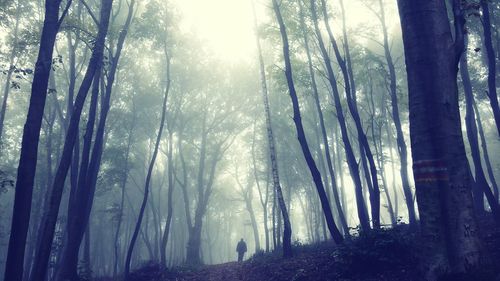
241 247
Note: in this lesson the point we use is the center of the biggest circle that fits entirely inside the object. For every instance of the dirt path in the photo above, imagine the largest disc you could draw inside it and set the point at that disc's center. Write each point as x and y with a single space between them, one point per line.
226 271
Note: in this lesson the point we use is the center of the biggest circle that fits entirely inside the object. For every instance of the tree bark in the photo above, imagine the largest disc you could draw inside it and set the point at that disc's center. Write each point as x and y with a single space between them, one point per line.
29 146
50 218
287 230
440 165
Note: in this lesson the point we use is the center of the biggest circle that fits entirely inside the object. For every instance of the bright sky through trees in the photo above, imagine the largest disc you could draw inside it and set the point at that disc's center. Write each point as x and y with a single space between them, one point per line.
227 25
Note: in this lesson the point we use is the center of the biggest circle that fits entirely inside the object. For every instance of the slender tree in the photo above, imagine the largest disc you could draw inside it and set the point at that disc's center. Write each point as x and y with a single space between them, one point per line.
317 103
29 146
350 157
400 139
50 218
334 231
287 230
486 154
82 199
148 181
171 183
490 56
481 184
350 93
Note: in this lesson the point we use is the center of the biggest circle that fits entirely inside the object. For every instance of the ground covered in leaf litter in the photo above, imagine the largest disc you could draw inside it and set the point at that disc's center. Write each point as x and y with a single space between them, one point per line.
385 255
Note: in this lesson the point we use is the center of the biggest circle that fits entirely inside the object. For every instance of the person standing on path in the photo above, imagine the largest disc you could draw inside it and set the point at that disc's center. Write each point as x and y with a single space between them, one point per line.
241 248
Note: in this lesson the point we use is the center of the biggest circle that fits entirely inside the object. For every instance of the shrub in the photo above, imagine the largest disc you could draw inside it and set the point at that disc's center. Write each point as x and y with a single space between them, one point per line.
375 251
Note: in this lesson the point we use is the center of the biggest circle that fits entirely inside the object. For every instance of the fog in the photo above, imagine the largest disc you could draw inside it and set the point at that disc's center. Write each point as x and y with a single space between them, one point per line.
171 133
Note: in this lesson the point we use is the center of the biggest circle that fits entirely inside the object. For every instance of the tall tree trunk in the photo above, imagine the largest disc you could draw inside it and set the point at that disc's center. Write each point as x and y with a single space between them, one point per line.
50 218
171 185
287 231
334 231
29 147
440 165
490 54
470 123
80 213
204 186
123 185
350 157
486 155
328 156
350 90
400 139
379 148
146 186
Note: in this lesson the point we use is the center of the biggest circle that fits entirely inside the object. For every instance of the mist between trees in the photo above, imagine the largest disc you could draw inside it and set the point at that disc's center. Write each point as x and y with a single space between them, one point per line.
135 131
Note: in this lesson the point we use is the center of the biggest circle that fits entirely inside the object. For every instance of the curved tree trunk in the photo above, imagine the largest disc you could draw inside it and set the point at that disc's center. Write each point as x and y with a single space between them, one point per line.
490 54
334 231
328 155
470 123
484 147
350 157
350 90
146 186
400 139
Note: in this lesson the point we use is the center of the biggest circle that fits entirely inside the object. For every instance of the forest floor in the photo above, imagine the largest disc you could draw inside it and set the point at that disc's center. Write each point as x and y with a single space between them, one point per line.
385 255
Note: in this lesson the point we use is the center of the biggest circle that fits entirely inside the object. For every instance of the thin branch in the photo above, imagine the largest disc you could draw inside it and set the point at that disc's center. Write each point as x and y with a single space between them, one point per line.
64 13
92 15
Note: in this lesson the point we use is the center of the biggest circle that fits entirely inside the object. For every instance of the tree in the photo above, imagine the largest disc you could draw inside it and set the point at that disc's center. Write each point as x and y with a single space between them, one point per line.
81 200
481 185
350 157
92 75
334 231
287 229
324 136
400 139
350 93
490 55
31 135
441 171
149 174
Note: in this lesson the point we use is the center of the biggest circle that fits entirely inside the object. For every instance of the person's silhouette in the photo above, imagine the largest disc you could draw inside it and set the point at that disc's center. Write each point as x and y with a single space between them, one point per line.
241 248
